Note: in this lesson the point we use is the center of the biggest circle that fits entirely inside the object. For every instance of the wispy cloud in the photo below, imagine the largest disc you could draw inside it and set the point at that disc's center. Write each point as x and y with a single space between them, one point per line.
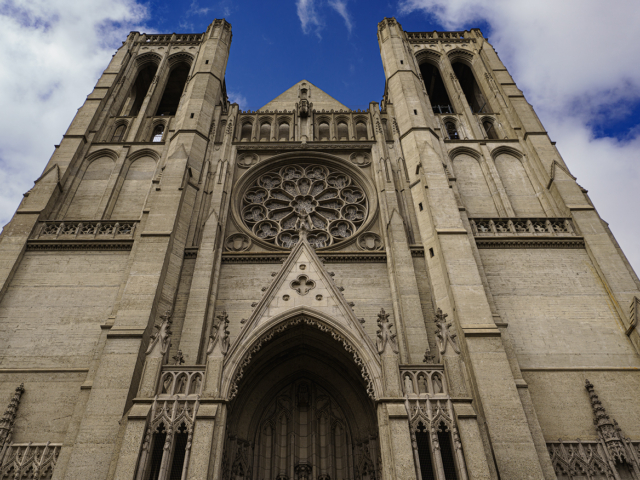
241 100
196 9
340 6
576 72
309 18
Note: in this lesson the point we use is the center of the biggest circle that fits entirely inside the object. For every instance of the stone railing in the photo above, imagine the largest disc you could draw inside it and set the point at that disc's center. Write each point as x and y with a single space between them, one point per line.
173 38
181 380
522 227
590 459
85 230
423 380
29 460
416 36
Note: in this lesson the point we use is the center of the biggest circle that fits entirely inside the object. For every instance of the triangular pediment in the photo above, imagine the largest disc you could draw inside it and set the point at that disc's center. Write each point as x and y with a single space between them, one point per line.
288 99
303 283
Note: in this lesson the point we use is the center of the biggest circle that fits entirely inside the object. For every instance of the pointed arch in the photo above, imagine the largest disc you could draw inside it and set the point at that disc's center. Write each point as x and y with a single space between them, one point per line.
472 183
138 173
359 346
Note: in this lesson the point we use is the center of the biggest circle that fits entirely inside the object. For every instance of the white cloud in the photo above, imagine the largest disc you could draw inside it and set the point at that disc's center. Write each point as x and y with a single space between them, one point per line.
308 15
53 53
238 98
340 6
575 62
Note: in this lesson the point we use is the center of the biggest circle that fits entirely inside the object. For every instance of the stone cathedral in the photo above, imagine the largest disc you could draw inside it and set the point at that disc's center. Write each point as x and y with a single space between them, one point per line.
415 291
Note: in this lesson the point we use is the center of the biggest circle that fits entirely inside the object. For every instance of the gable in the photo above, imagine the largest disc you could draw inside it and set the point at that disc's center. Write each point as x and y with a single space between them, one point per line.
288 99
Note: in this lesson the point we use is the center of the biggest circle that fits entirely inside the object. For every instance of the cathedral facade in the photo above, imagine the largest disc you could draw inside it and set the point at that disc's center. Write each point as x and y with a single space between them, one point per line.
415 291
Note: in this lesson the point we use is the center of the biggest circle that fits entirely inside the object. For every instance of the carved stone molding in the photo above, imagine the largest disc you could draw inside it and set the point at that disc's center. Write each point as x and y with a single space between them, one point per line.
9 416
181 381
361 159
247 160
311 322
522 227
370 241
443 336
530 242
219 336
63 245
238 242
37 460
386 338
161 339
351 257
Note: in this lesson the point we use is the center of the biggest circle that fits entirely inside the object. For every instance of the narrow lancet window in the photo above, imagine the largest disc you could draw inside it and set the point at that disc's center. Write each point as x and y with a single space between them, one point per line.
118 134
245 134
283 132
436 90
446 452
424 453
323 131
452 131
139 90
472 93
490 130
173 90
158 133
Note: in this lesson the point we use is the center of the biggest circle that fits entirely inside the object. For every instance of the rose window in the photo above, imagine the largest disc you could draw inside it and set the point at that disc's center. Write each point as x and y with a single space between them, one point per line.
328 203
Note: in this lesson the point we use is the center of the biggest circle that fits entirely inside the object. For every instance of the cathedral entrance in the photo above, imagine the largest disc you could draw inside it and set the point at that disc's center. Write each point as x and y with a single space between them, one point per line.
302 412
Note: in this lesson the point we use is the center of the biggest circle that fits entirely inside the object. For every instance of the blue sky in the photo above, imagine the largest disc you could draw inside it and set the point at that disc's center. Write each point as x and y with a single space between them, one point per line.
575 61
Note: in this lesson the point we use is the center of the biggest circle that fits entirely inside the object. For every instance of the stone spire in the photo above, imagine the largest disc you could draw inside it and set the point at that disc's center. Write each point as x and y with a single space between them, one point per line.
608 429
9 417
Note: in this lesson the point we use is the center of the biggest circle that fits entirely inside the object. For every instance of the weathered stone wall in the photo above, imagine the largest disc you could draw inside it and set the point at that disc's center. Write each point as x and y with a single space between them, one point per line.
51 314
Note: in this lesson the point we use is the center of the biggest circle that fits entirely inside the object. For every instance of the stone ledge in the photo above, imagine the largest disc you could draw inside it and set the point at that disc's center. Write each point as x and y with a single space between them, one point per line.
44 370
124 332
123 245
530 242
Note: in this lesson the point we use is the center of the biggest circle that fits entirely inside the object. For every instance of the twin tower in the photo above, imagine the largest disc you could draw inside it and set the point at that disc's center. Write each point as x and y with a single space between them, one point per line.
416 291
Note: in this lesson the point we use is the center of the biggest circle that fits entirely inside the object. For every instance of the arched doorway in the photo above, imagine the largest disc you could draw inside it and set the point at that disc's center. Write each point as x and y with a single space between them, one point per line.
302 412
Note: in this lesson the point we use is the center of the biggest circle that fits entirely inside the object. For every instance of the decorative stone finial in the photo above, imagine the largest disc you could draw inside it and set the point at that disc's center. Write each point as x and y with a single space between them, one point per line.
608 429
161 339
219 336
178 358
429 357
385 336
444 337
9 417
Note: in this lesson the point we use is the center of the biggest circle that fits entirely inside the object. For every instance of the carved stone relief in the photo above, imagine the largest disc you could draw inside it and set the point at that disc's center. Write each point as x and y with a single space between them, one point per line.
370 241
247 160
303 285
361 159
238 242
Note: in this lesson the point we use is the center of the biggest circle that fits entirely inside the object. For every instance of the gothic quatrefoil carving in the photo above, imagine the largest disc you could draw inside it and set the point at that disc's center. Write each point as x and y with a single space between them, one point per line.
303 284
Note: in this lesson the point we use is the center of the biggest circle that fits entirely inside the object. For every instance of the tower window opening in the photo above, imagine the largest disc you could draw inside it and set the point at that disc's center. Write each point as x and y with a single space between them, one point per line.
424 453
490 130
361 131
436 90
452 131
431 253
245 133
265 131
323 131
158 133
446 451
470 88
343 131
139 90
420 206
118 134
176 453
173 90
159 439
283 132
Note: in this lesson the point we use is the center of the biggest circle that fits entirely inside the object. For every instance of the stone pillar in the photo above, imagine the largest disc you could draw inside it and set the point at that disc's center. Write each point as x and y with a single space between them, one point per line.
136 437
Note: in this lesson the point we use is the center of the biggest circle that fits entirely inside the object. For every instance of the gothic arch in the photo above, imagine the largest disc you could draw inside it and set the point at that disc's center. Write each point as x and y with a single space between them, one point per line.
357 344
464 151
472 182
428 56
146 59
179 57
462 56
507 150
